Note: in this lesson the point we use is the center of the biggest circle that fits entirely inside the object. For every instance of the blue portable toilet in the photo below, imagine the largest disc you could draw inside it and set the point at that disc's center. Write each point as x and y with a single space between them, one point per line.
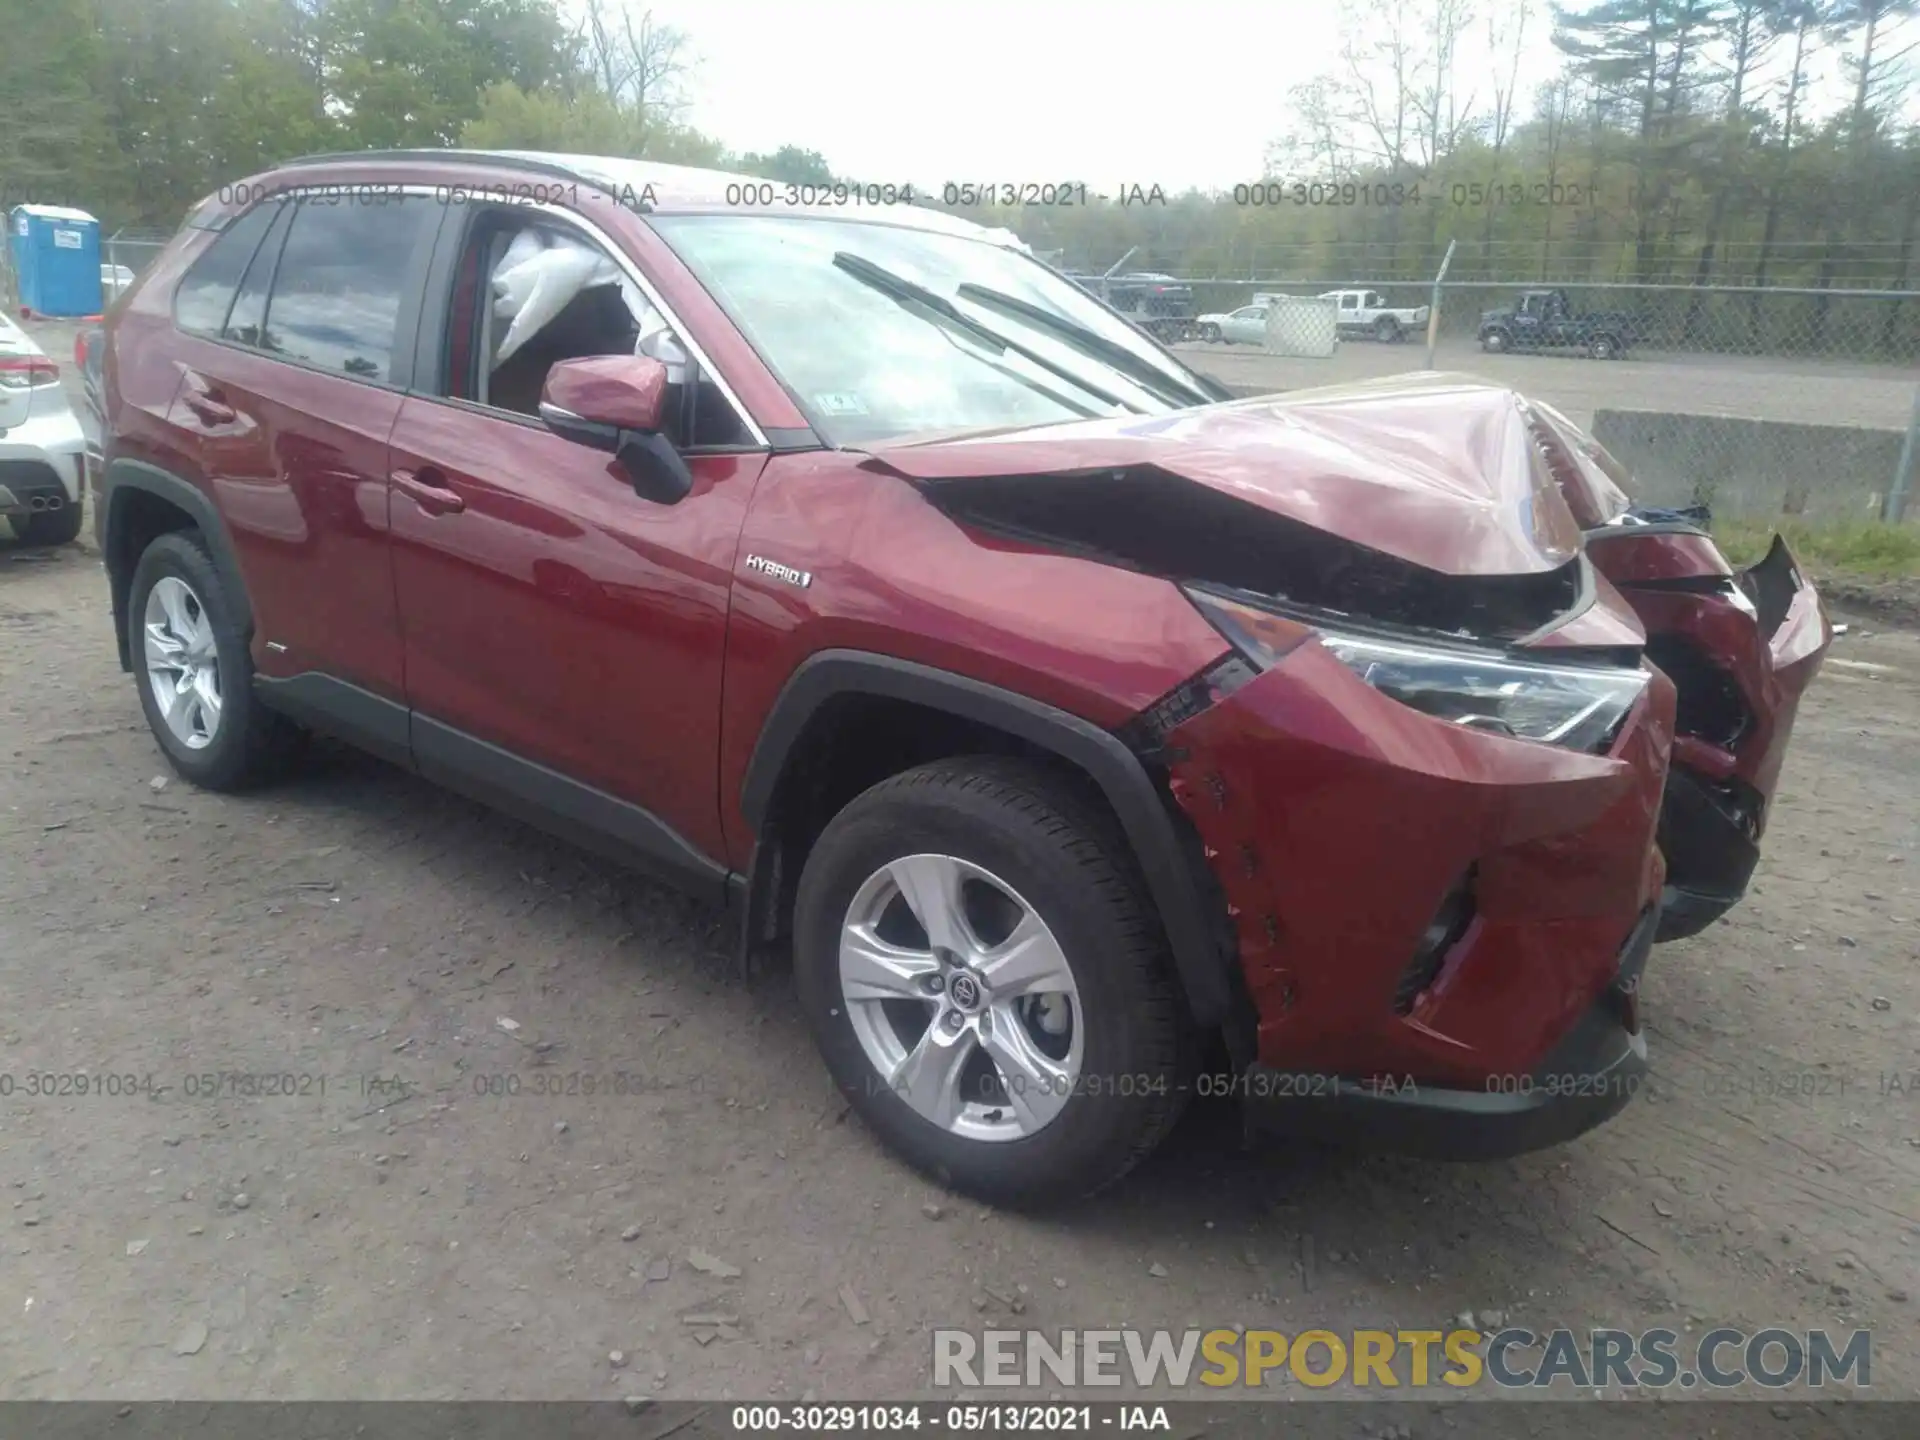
56 254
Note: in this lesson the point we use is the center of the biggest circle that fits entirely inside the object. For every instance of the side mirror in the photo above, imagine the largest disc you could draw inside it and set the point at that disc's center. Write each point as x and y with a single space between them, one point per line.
618 403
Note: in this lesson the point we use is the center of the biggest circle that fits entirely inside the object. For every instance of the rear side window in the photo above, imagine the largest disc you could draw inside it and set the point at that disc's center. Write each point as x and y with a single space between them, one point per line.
338 287
244 320
205 293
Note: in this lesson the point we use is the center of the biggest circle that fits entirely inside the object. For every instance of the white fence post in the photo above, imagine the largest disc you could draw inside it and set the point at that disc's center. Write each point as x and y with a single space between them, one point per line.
1433 310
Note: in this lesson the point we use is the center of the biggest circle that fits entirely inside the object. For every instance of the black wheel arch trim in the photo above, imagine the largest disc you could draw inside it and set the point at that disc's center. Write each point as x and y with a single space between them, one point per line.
1208 970
123 476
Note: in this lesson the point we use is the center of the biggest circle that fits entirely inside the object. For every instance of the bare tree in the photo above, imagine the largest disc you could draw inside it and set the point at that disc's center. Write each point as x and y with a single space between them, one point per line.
1506 43
1314 144
1803 20
641 64
1556 114
1752 28
1442 115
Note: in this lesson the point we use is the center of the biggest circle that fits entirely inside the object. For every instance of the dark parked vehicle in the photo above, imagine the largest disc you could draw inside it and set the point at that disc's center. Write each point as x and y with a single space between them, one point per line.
1545 320
1090 742
1159 304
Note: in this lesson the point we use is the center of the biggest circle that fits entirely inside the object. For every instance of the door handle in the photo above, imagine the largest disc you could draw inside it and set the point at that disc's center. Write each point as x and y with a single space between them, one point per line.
434 499
208 405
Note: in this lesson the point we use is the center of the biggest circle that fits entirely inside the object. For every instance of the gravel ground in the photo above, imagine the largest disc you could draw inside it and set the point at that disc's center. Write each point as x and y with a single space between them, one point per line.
422 1217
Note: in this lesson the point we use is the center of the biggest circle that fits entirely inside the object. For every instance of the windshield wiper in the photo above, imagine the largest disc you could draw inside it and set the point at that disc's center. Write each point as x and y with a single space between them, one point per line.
1088 342
918 299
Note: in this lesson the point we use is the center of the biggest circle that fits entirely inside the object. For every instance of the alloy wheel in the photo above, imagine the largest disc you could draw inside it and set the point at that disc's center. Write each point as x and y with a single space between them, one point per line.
183 662
961 998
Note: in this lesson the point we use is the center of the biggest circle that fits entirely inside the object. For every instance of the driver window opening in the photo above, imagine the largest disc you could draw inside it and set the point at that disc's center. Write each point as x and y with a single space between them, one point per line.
530 294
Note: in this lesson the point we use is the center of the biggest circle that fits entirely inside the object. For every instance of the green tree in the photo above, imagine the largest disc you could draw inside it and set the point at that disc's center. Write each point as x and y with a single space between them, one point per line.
52 143
589 124
791 165
408 73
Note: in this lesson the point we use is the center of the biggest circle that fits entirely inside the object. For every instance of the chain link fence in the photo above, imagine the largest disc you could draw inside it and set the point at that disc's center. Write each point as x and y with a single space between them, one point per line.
1759 401
125 255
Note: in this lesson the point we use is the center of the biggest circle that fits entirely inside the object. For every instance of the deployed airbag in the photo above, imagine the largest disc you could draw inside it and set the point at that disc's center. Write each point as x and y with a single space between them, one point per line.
540 274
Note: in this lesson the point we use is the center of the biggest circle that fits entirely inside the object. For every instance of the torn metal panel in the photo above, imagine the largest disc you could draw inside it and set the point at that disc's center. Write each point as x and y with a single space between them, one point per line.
1445 476
1151 519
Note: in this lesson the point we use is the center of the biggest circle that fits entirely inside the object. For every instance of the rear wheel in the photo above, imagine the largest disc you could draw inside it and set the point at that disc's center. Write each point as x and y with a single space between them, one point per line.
49 527
1602 347
195 675
1386 329
987 984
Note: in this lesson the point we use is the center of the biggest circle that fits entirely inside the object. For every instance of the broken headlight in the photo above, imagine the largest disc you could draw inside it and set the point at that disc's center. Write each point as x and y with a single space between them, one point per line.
1577 706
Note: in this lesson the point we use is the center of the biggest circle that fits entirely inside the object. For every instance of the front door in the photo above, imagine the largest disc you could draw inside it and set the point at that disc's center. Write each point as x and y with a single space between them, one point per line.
564 638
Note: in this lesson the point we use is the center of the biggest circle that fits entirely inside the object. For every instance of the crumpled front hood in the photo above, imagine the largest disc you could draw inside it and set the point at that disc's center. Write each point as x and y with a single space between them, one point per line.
1436 470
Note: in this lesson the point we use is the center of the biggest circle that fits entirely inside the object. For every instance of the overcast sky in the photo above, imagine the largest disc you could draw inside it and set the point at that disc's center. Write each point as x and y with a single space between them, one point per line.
990 91
1031 90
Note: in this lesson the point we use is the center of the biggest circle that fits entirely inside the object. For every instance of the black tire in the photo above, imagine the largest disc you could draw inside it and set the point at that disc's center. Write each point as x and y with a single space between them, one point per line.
251 744
1603 347
49 527
1210 334
1494 342
1386 330
1066 858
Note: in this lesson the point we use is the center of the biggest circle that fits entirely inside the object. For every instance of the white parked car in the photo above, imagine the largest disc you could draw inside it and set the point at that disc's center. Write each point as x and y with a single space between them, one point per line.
1245 326
42 447
1366 312
115 281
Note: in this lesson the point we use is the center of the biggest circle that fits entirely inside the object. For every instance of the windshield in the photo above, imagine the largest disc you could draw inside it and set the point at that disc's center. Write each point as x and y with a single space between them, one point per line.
859 321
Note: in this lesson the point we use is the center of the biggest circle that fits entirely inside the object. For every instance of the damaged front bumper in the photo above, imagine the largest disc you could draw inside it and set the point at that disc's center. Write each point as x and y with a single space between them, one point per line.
1741 649
1586 1079
1440 928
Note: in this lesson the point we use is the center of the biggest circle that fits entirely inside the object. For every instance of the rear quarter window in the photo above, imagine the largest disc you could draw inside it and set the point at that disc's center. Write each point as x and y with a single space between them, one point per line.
206 291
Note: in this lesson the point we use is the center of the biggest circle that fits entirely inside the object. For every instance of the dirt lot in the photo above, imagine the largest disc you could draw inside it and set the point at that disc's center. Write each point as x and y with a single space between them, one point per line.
1808 391
400 1228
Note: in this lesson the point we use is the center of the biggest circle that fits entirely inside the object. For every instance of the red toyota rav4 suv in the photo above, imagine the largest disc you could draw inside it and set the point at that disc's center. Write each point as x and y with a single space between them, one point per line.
1092 739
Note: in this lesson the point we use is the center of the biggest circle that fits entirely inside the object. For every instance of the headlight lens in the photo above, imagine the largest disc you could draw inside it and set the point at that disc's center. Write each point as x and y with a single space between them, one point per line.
1570 705
1575 706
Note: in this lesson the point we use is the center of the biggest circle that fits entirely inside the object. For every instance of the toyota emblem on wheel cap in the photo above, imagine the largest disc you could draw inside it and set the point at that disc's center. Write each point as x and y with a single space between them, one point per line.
964 991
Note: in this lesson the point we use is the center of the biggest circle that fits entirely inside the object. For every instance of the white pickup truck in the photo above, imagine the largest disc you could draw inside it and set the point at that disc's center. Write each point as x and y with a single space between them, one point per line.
1366 312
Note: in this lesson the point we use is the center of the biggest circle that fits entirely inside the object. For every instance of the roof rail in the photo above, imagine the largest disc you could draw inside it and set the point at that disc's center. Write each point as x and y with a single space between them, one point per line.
495 158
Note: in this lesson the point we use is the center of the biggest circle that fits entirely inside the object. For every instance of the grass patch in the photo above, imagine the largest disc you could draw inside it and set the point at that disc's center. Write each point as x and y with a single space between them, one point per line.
1843 547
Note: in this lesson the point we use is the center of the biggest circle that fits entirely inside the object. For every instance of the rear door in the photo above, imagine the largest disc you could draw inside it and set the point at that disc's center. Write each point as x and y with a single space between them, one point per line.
564 638
292 379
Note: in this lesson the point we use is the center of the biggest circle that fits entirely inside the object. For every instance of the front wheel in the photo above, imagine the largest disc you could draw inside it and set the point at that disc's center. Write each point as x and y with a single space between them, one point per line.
1210 334
987 982
1494 341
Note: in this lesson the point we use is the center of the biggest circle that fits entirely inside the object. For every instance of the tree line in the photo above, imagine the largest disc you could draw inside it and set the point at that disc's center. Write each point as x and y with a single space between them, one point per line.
135 109
1749 142
1667 141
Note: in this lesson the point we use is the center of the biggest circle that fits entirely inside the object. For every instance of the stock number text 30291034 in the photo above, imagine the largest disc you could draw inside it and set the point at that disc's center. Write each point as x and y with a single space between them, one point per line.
1381 193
